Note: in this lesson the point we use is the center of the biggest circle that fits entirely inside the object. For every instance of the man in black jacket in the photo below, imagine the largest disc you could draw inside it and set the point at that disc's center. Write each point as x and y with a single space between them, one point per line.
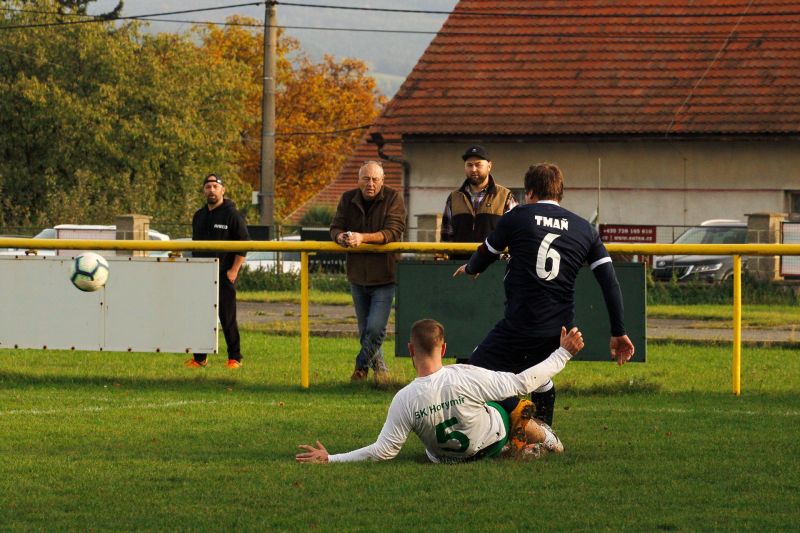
220 221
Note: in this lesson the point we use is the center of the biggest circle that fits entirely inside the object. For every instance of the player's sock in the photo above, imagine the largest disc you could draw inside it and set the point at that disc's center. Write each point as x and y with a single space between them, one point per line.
509 404
544 398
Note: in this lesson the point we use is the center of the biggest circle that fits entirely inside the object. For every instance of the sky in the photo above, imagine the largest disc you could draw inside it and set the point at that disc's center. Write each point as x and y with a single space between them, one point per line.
389 56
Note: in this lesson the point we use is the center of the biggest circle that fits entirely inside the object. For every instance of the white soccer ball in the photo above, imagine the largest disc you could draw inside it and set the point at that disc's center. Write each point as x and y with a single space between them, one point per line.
89 272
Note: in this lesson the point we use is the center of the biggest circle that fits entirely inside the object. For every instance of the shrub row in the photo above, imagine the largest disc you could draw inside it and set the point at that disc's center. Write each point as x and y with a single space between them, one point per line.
692 293
273 280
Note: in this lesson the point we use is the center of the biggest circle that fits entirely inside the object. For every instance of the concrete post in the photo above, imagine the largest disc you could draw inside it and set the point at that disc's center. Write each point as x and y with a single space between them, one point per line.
764 228
133 227
429 228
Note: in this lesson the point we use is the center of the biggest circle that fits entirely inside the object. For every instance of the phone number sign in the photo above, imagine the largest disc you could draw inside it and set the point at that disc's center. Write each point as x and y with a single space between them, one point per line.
626 233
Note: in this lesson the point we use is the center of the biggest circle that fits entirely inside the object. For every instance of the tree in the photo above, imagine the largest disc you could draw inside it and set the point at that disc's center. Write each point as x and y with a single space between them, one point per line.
79 7
98 120
314 103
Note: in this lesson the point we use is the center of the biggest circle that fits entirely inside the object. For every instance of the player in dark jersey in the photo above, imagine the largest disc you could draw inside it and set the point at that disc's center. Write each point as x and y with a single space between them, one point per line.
548 245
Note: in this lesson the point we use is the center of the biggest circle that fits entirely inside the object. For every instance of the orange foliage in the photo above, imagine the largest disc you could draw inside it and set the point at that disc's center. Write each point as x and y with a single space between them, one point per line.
311 100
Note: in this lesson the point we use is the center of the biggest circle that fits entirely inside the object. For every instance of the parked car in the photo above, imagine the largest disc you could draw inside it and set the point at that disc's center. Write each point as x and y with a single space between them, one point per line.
82 231
268 260
702 267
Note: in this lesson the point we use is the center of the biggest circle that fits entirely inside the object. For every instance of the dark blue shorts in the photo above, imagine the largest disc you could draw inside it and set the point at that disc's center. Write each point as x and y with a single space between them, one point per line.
506 350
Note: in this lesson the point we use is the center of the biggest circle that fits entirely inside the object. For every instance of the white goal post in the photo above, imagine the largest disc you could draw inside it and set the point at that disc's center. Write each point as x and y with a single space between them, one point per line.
147 305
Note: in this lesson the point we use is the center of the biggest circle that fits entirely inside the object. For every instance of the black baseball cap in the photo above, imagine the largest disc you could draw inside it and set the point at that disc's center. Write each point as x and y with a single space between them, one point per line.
476 151
213 178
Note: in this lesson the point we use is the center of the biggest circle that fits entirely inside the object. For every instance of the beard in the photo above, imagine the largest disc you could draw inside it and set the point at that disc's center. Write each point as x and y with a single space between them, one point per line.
477 180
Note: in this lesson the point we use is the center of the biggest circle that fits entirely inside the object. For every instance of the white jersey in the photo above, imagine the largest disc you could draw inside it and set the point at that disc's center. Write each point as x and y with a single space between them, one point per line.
448 410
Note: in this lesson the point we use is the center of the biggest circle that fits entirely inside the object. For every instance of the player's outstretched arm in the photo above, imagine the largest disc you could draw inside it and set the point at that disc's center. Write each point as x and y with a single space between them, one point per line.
621 349
312 454
572 341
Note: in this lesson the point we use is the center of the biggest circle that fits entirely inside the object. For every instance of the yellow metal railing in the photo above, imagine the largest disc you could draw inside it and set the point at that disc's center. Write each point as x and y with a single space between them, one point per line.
305 247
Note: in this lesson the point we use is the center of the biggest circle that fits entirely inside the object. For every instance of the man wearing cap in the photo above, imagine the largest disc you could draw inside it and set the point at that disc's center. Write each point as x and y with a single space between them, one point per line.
472 211
219 220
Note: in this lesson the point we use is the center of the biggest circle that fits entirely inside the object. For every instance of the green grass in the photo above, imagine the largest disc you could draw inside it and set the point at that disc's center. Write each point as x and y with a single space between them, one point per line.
119 442
314 296
755 316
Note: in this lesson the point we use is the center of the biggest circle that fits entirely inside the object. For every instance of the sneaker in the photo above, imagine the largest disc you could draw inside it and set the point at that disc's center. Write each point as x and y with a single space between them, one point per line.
359 375
233 363
191 363
519 418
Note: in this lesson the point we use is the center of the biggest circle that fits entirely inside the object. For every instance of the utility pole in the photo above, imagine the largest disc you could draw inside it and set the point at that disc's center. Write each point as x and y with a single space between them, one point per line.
267 194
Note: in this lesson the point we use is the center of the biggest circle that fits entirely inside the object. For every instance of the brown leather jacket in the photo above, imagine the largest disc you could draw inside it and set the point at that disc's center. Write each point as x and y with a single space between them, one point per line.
387 214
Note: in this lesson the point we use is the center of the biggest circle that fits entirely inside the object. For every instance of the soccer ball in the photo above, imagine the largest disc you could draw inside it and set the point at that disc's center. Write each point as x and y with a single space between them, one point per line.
89 272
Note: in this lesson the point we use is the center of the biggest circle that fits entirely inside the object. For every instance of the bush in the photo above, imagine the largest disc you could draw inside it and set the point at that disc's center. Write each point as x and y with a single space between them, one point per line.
692 293
272 280
318 216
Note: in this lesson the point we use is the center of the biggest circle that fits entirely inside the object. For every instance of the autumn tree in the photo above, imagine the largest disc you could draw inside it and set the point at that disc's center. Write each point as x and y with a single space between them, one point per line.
319 109
100 119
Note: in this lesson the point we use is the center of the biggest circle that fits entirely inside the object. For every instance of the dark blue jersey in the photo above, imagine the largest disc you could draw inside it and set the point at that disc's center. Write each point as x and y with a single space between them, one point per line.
548 246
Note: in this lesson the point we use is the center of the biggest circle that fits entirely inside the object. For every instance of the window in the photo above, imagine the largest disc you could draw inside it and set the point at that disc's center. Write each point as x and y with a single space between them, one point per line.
793 201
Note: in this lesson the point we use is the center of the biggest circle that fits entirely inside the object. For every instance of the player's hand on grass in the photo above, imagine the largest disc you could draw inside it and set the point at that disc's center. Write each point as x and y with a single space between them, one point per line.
463 270
572 341
312 454
621 349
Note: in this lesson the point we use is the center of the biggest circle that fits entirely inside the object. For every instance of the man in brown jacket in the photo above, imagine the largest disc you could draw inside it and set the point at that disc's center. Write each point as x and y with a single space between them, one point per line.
370 214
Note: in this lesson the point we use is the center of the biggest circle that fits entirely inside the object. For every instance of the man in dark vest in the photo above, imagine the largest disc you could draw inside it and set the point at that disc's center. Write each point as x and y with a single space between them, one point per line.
472 211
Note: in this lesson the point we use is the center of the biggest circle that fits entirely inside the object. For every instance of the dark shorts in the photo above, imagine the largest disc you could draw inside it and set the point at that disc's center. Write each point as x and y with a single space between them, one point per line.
505 350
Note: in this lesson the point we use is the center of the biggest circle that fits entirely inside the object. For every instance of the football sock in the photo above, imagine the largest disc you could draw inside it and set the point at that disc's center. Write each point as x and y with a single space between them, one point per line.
545 401
509 404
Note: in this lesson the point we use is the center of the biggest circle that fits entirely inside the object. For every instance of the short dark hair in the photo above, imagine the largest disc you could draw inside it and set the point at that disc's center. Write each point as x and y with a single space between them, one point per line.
545 181
426 335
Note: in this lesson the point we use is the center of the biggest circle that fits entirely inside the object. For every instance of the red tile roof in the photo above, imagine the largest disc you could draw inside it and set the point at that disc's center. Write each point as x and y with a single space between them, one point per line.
347 177
645 67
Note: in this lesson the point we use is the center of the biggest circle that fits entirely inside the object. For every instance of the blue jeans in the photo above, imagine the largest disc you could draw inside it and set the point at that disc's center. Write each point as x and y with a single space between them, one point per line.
373 304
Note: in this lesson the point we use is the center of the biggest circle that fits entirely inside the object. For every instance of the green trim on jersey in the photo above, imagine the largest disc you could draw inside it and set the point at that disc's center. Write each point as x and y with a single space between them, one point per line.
495 449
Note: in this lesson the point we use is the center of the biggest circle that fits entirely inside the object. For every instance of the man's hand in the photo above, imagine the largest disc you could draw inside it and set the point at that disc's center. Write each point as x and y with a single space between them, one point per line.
572 341
621 349
232 275
350 239
356 239
312 454
463 270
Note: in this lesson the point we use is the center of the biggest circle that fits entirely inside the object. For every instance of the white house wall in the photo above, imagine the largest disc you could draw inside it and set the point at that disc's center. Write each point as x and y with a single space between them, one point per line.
644 182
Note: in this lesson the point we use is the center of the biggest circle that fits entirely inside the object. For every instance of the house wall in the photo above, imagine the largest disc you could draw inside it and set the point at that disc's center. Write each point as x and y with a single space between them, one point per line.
641 182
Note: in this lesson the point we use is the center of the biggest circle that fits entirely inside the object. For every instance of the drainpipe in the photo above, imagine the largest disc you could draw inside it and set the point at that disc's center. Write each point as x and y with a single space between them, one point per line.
377 139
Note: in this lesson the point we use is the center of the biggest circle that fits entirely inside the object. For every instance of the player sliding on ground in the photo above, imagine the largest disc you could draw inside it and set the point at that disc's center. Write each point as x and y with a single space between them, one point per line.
450 407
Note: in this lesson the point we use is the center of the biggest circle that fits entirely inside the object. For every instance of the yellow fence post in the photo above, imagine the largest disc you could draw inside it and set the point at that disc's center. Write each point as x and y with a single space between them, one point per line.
737 325
304 320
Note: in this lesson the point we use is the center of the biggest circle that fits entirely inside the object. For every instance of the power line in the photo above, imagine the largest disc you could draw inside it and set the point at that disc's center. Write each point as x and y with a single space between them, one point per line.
639 37
708 68
660 36
96 18
476 13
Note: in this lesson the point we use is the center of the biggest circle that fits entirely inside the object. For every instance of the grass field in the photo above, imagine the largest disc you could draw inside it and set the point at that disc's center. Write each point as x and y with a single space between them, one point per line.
117 442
